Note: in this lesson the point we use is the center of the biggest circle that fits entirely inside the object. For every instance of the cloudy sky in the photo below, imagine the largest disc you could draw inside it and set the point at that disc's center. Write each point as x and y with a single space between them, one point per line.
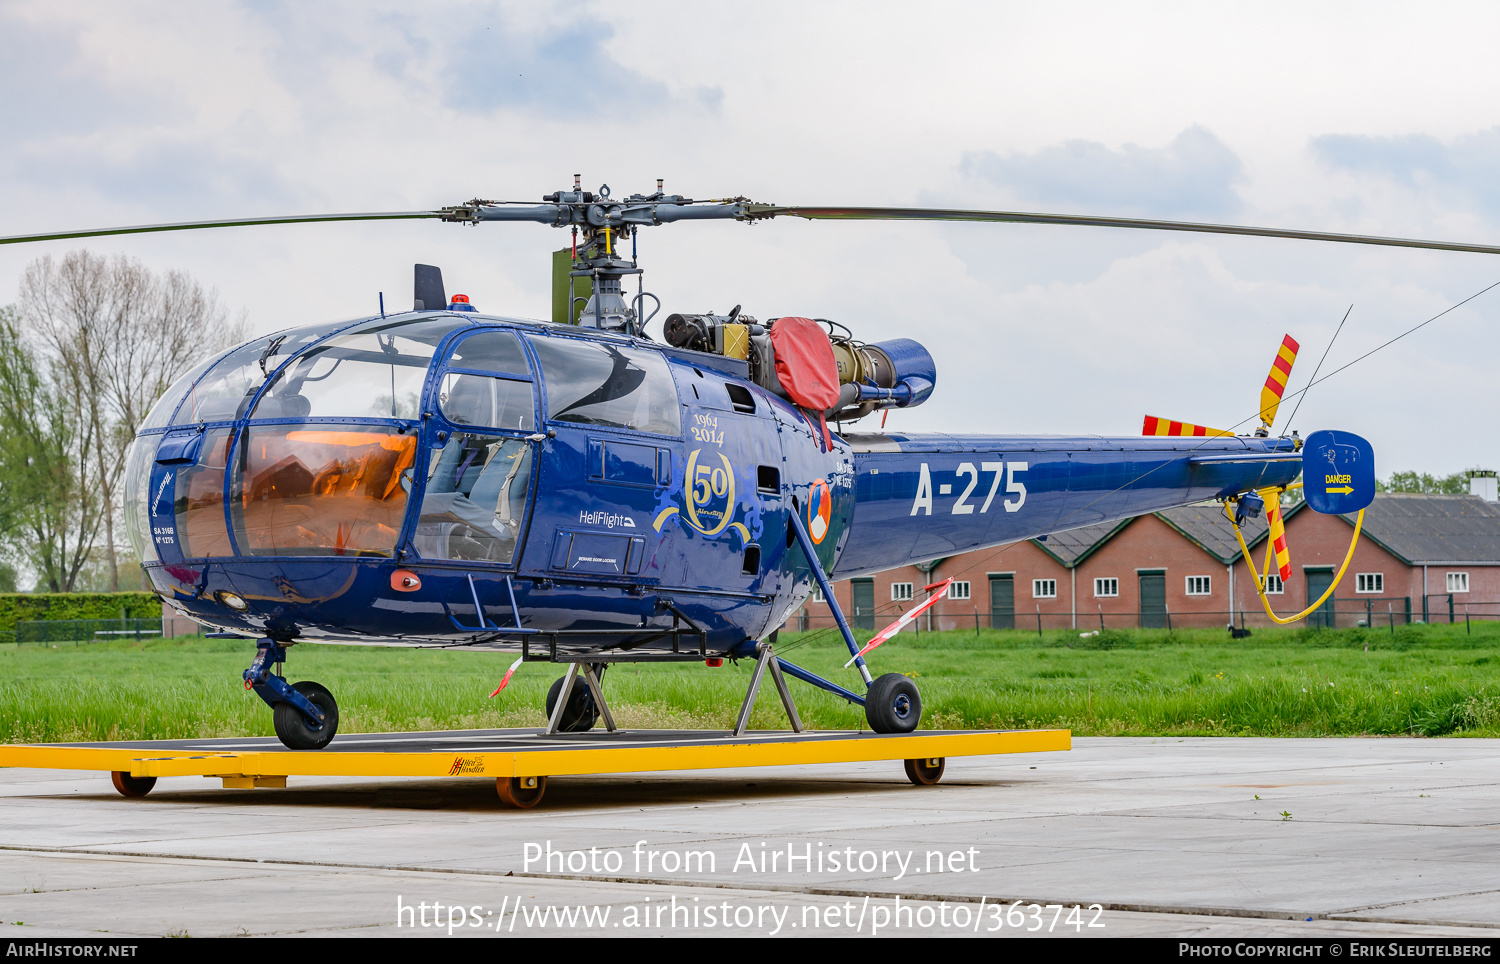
1358 117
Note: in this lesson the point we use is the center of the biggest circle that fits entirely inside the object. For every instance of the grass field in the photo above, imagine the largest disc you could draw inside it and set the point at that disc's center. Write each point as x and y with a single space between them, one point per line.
1422 681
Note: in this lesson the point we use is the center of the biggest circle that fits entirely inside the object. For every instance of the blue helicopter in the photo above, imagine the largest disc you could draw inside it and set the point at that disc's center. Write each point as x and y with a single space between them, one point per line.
585 495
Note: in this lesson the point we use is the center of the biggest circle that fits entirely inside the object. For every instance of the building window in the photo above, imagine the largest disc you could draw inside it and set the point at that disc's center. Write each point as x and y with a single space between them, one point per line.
1458 582
1044 589
1273 585
817 595
1107 587
958 590
1199 585
1369 582
900 591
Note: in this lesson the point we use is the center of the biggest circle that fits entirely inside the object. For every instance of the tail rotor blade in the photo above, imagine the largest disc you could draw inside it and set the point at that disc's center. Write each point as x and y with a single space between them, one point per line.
1275 387
1164 426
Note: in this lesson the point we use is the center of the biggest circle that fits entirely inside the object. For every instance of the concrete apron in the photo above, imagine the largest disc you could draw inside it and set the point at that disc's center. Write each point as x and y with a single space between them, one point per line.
1377 837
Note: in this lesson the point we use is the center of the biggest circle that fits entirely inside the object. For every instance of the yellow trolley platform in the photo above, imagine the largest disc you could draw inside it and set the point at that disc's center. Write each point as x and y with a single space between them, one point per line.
520 761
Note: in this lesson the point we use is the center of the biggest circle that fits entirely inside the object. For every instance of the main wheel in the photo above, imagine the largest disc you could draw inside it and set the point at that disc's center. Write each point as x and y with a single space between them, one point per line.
580 714
130 786
521 792
893 704
924 773
296 731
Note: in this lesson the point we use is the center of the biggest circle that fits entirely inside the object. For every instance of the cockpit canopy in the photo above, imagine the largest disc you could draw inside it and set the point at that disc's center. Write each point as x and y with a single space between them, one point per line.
313 439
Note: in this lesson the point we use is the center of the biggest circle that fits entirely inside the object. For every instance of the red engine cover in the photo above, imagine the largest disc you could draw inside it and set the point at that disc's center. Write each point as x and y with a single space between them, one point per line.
804 363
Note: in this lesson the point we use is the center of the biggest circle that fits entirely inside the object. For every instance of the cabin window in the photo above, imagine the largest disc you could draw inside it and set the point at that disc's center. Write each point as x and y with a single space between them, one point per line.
475 499
1200 585
1369 582
1044 589
901 591
1458 582
491 351
484 400
1107 587
958 590
601 383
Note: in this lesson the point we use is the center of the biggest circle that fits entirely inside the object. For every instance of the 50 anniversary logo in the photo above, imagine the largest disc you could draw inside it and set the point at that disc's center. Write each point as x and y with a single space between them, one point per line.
709 501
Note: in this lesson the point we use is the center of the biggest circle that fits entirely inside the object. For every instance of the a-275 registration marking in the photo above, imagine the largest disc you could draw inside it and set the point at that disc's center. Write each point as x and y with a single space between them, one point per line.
1008 470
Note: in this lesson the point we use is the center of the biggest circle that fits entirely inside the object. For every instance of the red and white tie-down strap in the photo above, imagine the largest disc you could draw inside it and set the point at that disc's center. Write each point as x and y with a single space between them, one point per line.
906 619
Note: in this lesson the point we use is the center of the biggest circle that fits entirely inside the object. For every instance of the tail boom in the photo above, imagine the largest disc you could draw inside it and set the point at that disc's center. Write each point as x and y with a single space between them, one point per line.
920 497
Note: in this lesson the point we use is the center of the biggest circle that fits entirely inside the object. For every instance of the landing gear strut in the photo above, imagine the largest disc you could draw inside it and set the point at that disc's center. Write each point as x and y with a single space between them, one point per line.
305 714
581 705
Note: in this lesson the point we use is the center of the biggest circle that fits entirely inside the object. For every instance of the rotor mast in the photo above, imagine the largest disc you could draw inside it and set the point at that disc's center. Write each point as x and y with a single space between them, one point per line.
605 225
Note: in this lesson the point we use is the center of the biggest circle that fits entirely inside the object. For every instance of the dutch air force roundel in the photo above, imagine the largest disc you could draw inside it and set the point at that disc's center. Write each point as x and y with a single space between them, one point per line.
819 510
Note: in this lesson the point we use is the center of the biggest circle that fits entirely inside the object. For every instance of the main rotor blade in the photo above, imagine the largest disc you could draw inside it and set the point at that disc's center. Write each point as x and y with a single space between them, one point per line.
755 212
234 223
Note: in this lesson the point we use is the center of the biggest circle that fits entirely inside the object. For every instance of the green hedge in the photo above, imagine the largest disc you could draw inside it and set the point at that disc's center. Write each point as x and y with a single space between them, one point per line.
17 606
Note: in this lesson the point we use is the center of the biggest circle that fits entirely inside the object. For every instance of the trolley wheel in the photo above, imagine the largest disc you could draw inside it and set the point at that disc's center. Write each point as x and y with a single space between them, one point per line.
522 793
580 714
130 786
925 773
893 705
296 731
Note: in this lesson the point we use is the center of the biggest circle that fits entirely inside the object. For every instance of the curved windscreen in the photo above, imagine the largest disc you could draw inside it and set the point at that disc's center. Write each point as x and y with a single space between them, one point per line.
223 394
162 411
199 499
373 372
138 465
598 383
321 490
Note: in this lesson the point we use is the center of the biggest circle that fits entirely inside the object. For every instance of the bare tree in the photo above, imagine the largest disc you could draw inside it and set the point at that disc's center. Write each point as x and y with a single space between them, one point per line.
116 335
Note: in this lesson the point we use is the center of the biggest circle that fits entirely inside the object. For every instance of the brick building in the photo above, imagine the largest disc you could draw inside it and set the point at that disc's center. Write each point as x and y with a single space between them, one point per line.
1420 557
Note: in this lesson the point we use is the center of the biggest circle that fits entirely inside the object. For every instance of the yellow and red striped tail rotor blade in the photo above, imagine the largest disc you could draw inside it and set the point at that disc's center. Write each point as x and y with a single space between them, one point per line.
1281 370
1162 426
1277 535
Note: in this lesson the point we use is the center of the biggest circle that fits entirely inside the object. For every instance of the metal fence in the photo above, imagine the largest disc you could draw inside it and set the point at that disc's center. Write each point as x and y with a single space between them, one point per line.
47 631
1383 612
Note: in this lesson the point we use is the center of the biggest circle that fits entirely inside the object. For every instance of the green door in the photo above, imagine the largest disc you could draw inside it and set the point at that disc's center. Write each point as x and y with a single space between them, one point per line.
863 616
1318 581
1153 600
1003 602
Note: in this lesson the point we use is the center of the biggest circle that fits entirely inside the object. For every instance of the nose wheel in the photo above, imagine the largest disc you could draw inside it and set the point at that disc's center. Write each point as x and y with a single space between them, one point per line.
305 714
296 730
